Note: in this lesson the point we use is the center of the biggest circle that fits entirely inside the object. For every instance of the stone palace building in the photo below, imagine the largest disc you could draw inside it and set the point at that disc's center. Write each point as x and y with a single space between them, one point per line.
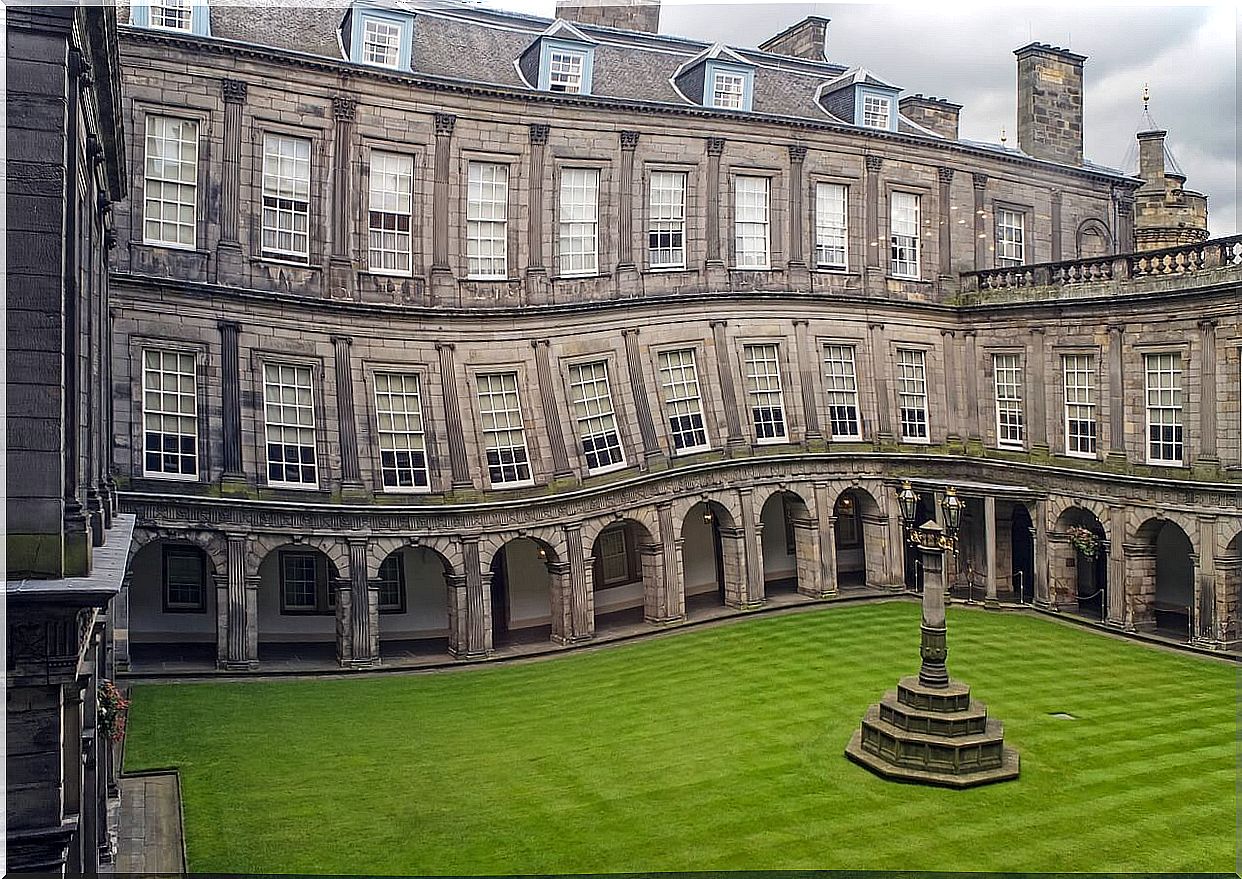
436 328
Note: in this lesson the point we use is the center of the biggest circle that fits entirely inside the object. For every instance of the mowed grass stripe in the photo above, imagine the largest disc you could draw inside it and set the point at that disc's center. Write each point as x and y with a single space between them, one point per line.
719 748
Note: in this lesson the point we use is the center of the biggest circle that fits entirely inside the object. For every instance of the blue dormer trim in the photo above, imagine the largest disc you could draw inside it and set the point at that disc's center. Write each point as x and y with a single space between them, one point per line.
714 65
360 15
200 17
860 98
548 45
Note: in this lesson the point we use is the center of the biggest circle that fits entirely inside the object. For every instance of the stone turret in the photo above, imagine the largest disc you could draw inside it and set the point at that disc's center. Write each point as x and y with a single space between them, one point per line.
1165 213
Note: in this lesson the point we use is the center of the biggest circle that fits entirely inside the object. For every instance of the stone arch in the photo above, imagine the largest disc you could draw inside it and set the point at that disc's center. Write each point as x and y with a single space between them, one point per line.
858 536
380 548
728 501
1093 239
552 539
1065 515
712 552
213 543
412 597
1078 582
1160 571
514 565
303 630
259 548
1229 593
626 574
789 540
171 601
1144 523
646 517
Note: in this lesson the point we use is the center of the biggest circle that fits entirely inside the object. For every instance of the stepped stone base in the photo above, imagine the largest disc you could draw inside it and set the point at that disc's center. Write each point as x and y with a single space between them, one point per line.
933 735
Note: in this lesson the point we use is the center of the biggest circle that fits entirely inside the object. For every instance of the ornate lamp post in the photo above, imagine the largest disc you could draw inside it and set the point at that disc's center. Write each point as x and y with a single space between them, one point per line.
929 730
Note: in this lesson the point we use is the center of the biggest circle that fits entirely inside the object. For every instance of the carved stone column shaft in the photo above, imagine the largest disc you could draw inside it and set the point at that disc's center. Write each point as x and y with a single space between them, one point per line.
625 224
797 160
534 224
234 97
728 393
715 147
452 416
230 399
350 474
638 386
444 123
806 370
547 399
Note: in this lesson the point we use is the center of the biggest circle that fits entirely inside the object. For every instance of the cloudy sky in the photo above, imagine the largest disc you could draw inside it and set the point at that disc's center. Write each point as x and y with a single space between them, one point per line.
964 52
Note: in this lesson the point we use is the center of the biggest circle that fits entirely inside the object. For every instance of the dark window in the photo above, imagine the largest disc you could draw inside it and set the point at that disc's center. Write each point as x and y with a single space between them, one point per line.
185 579
304 586
391 581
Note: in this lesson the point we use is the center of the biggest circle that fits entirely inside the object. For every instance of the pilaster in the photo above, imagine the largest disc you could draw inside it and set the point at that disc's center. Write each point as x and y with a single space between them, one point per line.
364 604
552 420
626 269
230 406
827 521
340 266
1055 198
880 372
228 262
1116 394
944 176
970 370
1115 612
351 477
537 287
989 545
799 276
724 369
665 600
452 417
953 386
1207 394
752 532
806 370
875 250
442 282
1037 390
980 182
242 647
653 455
714 269
470 624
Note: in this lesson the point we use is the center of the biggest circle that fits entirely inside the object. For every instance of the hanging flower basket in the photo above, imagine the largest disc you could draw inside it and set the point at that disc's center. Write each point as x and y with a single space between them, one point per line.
113 710
1084 540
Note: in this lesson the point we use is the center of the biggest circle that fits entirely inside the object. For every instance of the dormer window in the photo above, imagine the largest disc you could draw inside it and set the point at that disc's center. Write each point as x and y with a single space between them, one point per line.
718 78
177 15
565 71
728 90
877 111
380 37
561 60
185 16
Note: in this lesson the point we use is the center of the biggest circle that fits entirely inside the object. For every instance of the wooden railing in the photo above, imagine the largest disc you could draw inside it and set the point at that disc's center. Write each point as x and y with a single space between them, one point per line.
1189 259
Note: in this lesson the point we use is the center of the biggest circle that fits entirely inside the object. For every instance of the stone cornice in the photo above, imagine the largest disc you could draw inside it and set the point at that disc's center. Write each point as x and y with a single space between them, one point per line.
215 45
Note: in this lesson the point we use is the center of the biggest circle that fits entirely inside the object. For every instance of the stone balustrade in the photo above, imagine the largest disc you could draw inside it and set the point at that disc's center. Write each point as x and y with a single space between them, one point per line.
1104 275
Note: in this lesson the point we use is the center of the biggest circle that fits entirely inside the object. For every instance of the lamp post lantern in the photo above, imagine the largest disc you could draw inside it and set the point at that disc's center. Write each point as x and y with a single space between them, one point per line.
929 730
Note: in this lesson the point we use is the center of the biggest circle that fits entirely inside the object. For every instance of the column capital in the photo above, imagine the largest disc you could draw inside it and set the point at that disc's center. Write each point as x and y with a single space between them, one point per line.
1037 331
801 322
539 133
874 162
629 141
1116 329
233 91
1055 194
797 152
945 174
717 323
444 124
629 331
344 107
969 334
874 325
948 333
715 146
357 540
1207 323
540 343
339 341
445 346
572 526
979 180
231 325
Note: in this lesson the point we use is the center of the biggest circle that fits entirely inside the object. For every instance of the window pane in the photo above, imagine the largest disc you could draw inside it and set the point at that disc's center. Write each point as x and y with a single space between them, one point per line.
830 225
286 197
728 90
1164 407
1080 430
403 450
504 438
841 384
487 206
763 390
290 422
579 221
565 71
1009 420
904 231
912 393
170 191
666 236
591 401
750 222
391 201
170 414
679 380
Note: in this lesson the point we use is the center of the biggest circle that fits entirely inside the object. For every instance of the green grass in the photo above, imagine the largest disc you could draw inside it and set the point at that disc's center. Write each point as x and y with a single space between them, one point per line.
711 750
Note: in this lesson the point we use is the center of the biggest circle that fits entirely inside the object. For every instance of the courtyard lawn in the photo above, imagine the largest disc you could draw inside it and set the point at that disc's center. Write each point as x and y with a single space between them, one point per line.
716 749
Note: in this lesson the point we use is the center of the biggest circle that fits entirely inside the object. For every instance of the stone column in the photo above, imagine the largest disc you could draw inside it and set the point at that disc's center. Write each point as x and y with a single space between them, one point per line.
752 535
1041 590
980 182
876 250
229 259
344 109
806 370
652 453
1125 221
1055 209
452 417
1207 394
1204 599
534 221
1037 391
351 477
441 271
120 624
343 593
552 420
1115 612
945 177
809 565
797 160
364 601
241 652
989 546
970 371
573 614
879 372
625 226
230 403
715 267
728 395
470 629
1116 393
665 599
827 541
953 386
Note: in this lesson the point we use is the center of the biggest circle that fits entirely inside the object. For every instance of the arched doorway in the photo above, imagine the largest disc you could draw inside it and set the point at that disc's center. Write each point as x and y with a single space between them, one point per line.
1079 564
298 586
413 595
787 548
1164 589
522 592
172 604
709 572
858 533
623 568
1022 554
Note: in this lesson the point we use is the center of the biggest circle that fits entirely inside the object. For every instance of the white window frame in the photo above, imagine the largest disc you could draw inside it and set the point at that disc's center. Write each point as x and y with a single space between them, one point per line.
1167 409
667 220
728 90
286 197
506 421
912 395
1010 237
304 421
752 222
1008 377
401 431
390 206
562 78
1080 405
578 217
611 555
170 182
175 406
590 401
382 35
302 557
683 399
487 221
877 111
182 11
840 367
761 362
832 232
905 246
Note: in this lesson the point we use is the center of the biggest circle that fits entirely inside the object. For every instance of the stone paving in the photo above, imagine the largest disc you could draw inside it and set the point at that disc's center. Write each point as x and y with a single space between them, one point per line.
148 825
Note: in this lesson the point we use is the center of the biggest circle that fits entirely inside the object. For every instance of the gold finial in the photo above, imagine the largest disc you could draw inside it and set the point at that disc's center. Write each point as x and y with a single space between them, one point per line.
1003 138
1146 96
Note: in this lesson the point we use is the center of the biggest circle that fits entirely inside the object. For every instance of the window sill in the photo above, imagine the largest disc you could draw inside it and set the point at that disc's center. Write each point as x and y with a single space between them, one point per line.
1172 465
589 277
307 612
669 270
169 477
773 441
283 261
830 270
164 245
292 486
381 273
168 609
916 441
1081 456
405 491
490 279
603 471
686 453
1000 447
504 486
767 268
908 280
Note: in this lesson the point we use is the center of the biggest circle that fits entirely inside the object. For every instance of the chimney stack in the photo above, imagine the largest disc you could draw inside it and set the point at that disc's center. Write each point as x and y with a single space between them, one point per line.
1151 159
806 39
1050 103
936 114
628 15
